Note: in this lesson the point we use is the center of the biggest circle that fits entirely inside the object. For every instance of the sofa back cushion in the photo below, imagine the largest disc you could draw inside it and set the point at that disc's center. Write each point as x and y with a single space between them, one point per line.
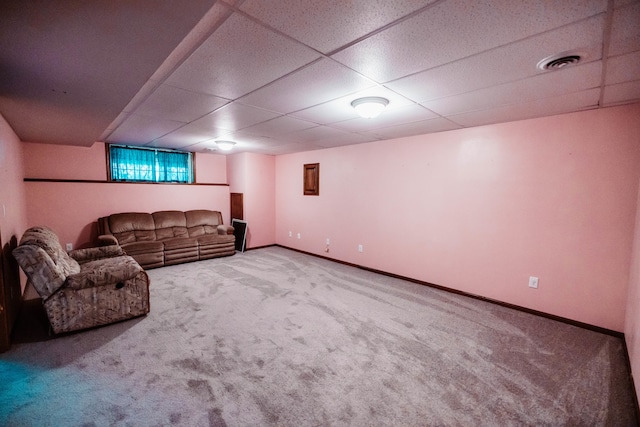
202 221
132 227
43 260
170 224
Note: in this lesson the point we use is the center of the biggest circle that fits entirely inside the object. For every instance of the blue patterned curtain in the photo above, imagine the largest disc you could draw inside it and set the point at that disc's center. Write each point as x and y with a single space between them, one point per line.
149 165
173 166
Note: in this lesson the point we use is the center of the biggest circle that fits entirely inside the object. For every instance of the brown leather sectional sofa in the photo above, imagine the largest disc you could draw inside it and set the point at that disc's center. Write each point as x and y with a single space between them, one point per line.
168 237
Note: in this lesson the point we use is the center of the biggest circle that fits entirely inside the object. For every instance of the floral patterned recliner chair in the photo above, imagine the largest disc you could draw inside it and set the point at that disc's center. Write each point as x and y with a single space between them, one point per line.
83 288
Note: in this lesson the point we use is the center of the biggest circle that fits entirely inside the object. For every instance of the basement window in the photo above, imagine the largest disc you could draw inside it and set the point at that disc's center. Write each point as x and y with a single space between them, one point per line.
138 164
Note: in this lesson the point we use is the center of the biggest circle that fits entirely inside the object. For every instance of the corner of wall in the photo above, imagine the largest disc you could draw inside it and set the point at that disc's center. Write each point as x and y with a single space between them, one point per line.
632 316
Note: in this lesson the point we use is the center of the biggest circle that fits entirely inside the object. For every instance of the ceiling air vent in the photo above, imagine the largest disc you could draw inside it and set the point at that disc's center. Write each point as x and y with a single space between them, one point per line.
557 62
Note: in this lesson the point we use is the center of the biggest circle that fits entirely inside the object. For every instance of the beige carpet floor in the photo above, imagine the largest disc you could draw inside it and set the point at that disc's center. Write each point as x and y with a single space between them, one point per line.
275 337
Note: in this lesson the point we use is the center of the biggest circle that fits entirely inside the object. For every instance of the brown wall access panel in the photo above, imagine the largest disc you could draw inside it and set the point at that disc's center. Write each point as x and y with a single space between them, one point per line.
237 206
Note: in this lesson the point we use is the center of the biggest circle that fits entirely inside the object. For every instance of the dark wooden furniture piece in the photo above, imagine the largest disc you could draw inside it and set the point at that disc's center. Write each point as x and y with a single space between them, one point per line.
10 293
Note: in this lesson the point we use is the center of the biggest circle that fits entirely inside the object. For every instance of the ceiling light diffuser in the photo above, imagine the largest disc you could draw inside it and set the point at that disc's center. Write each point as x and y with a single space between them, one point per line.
225 145
370 106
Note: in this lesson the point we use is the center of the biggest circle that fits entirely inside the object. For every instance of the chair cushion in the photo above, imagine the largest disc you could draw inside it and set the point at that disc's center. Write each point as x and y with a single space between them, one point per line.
45 238
45 276
44 261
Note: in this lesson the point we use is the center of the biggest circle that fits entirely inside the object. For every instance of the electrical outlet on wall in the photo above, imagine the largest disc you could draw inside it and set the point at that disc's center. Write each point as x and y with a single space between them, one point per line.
290 233
299 236
533 282
360 248
69 246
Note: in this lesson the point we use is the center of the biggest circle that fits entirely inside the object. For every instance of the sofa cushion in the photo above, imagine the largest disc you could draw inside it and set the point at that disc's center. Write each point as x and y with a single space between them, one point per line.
132 227
215 239
179 243
143 247
171 232
168 219
200 222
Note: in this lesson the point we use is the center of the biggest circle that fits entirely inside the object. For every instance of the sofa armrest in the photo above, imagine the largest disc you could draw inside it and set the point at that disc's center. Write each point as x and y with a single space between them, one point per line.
225 229
107 239
92 254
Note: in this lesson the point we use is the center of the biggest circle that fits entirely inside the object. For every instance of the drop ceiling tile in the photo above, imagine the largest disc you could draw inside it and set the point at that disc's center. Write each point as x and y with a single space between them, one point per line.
278 126
625 32
312 134
239 57
438 124
290 148
568 80
235 116
242 144
623 68
346 139
173 103
340 109
312 85
329 28
389 117
538 108
114 125
208 146
245 137
504 64
187 135
138 130
622 93
455 29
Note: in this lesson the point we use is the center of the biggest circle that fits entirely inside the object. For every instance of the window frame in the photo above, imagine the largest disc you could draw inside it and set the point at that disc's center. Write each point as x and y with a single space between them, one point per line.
192 165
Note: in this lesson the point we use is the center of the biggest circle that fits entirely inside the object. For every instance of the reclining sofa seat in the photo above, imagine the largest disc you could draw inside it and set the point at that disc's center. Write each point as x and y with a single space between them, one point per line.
168 237
84 288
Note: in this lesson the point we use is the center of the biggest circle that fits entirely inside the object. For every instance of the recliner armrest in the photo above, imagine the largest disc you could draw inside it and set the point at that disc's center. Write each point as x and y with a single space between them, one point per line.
92 254
107 271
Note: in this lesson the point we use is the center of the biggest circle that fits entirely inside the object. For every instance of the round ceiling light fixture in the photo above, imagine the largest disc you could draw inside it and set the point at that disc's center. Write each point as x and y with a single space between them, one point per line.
370 106
225 145
559 61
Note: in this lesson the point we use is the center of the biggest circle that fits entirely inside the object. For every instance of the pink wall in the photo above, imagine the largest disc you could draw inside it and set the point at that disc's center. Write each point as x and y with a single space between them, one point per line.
254 176
482 209
12 195
72 209
632 323
65 162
